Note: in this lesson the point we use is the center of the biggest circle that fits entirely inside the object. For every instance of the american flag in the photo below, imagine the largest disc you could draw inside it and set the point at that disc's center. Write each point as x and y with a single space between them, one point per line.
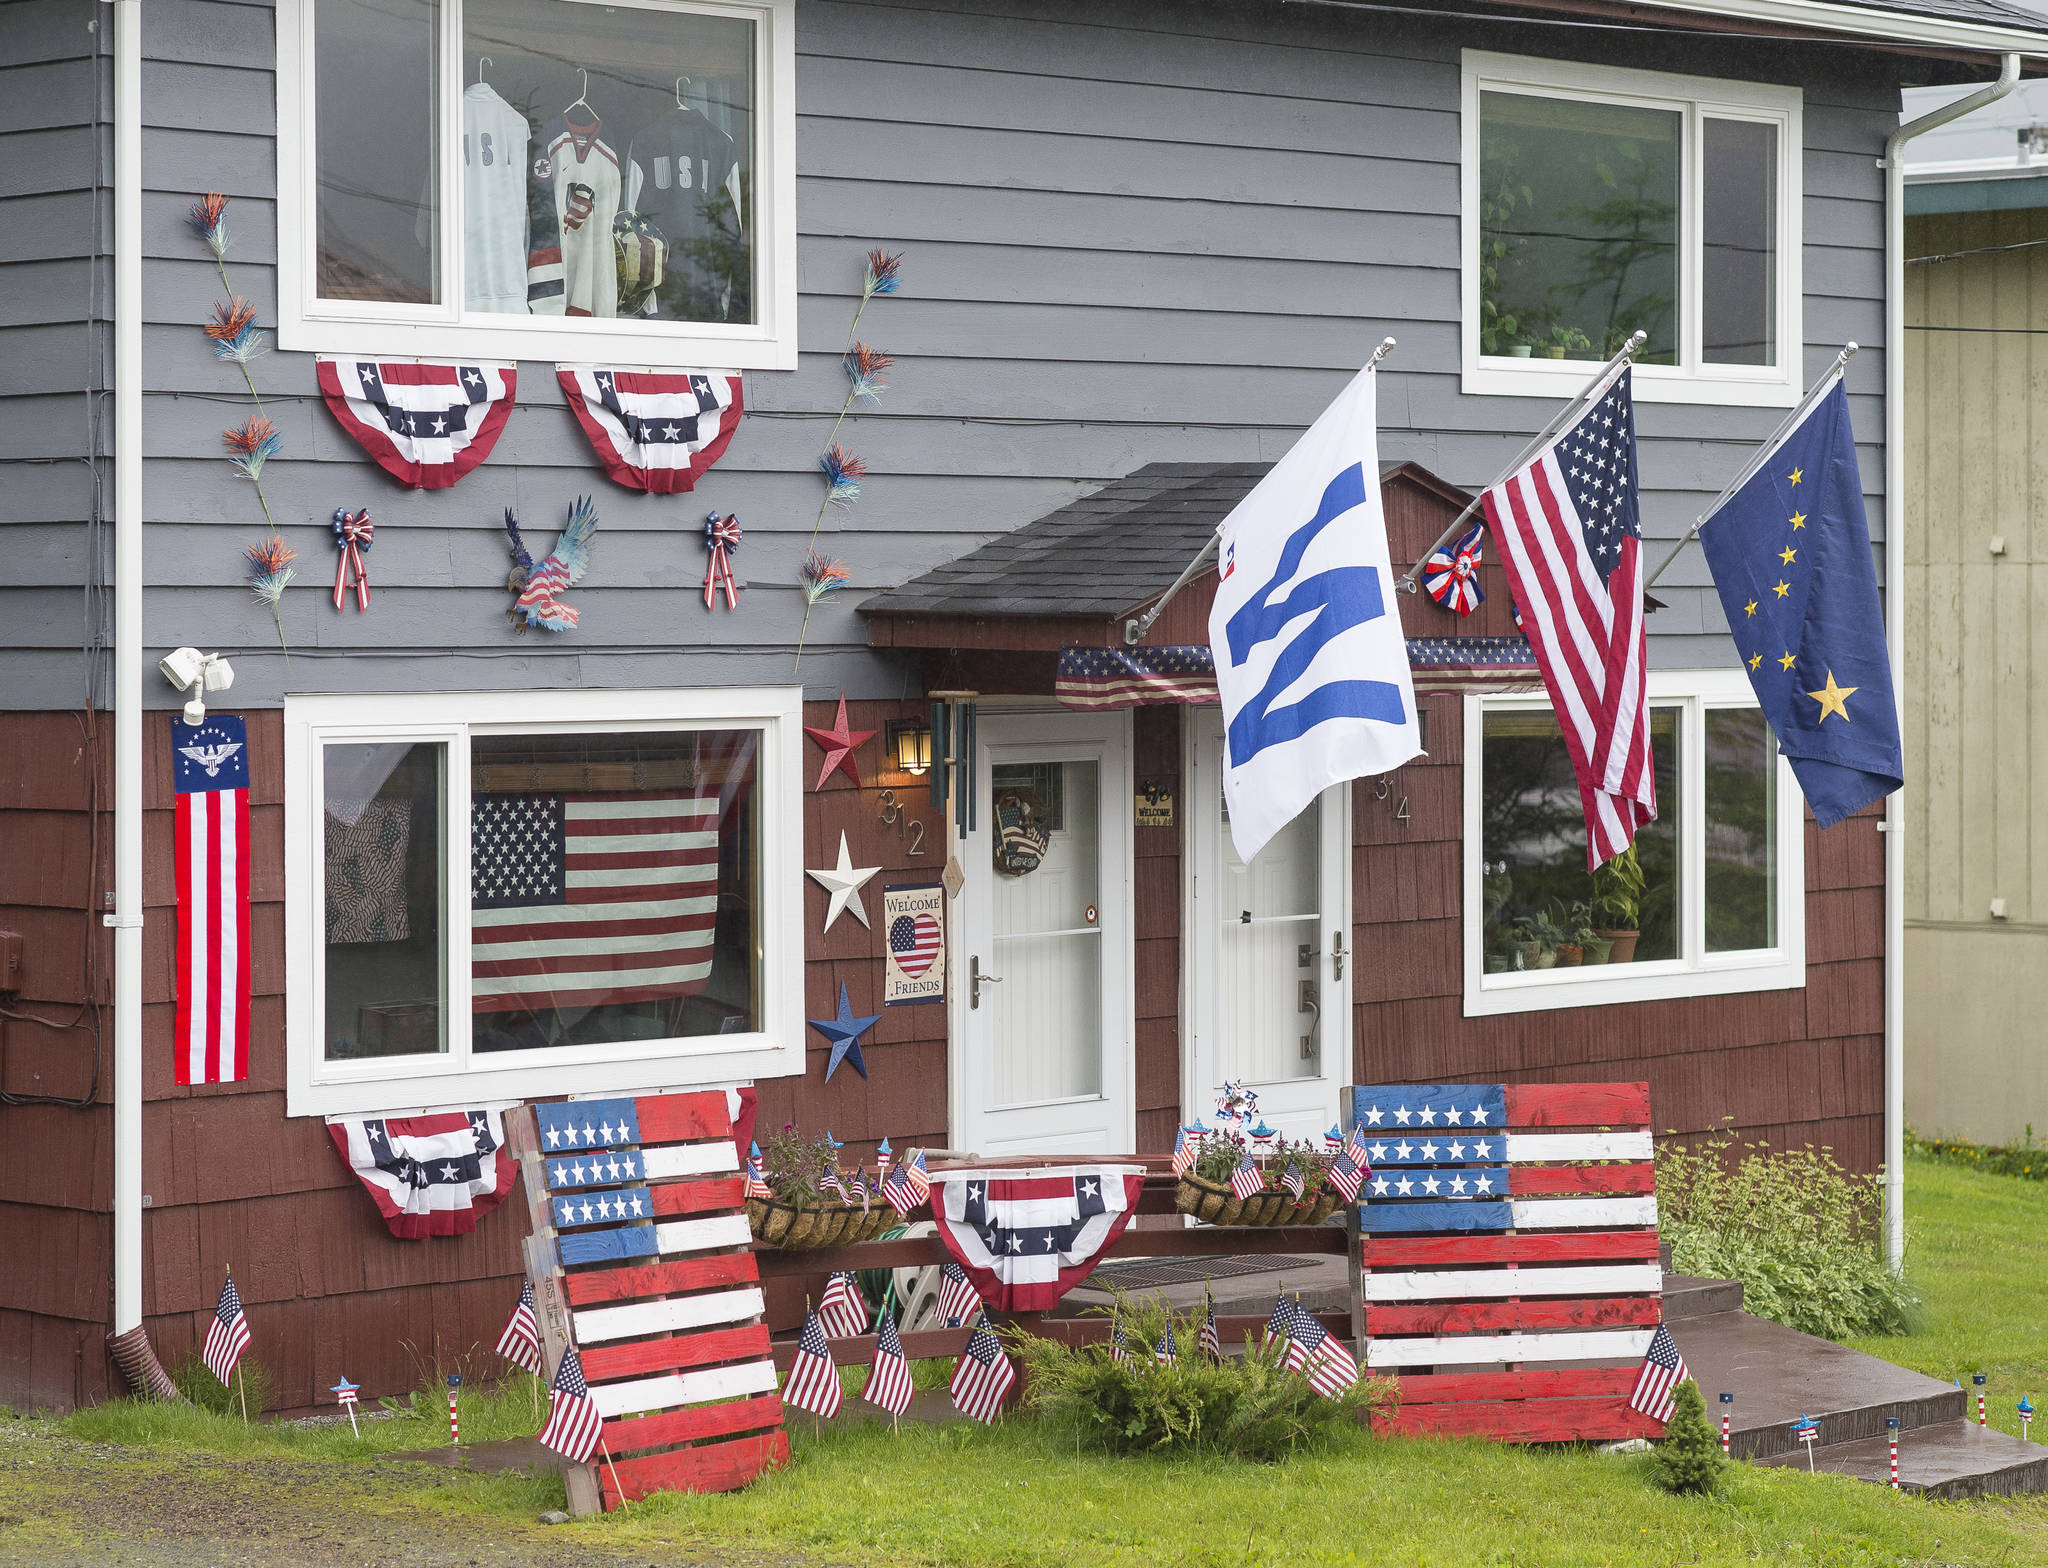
898 1189
1663 1370
860 1190
1246 1179
757 1180
842 1310
1571 543
210 854
1183 1151
1210 1341
1167 1353
520 1343
1318 1355
1281 1323
958 1299
920 1180
813 1382
832 1181
573 1419
914 941
983 1376
1292 1180
889 1383
227 1336
1119 1342
587 900
1347 1175
1133 677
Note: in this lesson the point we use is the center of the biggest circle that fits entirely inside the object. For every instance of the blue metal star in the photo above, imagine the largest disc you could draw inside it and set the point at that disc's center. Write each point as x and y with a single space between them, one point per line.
844 1032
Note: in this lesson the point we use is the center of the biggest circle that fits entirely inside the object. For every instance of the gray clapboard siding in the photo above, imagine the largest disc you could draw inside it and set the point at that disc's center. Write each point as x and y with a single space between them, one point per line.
1136 233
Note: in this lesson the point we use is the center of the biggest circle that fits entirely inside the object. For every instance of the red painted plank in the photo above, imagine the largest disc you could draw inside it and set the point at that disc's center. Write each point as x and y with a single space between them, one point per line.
631 1281
1528 1420
1397 1252
682 1118
606 1363
1488 1317
629 1434
1578 1382
1578 1104
722 1467
1530 1180
699 1197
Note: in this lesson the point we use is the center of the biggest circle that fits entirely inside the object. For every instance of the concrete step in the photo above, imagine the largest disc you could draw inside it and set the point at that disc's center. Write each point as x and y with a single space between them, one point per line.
1778 1375
1686 1296
1948 1460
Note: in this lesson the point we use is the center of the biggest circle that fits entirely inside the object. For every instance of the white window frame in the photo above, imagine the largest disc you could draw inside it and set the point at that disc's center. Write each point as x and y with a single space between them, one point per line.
1691 380
308 323
1695 972
315 1086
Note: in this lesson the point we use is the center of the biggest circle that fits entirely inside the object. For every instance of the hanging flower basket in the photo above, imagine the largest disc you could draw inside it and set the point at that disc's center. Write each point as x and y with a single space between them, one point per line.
793 1229
1213 1203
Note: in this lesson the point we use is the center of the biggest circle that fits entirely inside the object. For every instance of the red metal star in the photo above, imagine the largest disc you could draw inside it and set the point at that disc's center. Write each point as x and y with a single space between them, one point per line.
839 743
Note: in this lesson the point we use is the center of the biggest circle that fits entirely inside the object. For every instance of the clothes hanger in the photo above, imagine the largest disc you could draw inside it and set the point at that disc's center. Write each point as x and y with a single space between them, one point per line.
482 60
580 98
679 94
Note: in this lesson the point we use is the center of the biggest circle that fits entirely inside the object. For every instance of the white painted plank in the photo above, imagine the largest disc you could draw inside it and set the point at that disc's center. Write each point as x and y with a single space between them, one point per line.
726 1230
1493 1349
673 1389
690 1159
1582 1213
596 1324
1579 1146
1621 1279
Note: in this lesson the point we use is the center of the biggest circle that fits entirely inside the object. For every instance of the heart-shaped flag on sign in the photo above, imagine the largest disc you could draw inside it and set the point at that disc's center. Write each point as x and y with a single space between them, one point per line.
914 942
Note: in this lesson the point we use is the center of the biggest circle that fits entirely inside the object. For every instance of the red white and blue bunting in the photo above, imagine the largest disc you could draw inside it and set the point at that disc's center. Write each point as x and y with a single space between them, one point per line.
425 425
654 430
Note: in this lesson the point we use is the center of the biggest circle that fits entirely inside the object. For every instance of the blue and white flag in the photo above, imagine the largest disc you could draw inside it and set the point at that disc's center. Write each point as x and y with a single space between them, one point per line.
1310 660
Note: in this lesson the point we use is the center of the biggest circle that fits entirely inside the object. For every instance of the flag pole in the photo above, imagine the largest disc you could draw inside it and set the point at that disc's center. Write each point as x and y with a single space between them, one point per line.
624 1502
1136 628
1759 457
242 1388
1410 580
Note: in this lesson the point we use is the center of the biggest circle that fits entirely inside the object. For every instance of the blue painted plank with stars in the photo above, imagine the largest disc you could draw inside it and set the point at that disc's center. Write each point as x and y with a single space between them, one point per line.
587 1124
1424 1107
608 1207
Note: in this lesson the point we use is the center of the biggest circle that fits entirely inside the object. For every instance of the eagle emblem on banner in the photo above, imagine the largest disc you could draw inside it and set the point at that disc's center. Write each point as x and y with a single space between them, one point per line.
1027 1237
425 425
654 430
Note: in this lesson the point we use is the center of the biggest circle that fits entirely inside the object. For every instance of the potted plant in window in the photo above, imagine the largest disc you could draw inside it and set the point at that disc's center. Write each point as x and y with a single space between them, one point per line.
1617 904
1540 940
1566 340
1569 953
1594 947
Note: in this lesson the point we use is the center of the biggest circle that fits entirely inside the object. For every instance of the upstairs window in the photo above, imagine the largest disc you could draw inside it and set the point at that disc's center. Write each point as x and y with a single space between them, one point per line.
1598 202
549 179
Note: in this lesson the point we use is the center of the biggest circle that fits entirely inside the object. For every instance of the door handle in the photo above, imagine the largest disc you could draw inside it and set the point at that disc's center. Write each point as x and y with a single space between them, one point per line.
976 980
1336 955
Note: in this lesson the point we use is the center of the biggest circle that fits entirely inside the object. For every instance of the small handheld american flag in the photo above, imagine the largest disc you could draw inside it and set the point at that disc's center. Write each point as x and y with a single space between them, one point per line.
1292 1180
1168 1353
813 1382
573 1419
897 1189
920 1179
1663 1370
860 1189
958 1299
1281 1323
1210 1341
227 1336
520 1343
889 1384
1183 1152
757 1180
833 1182
1119 1342
1246 1179
1319 1355
983 1376
1347 1175
843 1311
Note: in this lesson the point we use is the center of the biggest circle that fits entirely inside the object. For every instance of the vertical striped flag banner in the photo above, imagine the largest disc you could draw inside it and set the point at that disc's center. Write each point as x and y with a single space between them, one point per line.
210 856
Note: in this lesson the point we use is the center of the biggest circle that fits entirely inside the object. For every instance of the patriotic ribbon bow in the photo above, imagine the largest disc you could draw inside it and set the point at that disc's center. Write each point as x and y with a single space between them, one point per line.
721 538
353 534
1451 576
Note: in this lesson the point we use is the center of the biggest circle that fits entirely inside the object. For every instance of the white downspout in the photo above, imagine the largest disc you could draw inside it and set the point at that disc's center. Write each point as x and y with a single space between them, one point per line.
1894 166
128 657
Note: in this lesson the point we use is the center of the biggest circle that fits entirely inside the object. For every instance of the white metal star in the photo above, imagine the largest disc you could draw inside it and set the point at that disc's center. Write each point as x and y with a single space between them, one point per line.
843 882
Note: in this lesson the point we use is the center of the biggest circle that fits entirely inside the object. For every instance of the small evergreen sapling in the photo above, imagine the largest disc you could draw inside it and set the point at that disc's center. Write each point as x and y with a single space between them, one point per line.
1689 1459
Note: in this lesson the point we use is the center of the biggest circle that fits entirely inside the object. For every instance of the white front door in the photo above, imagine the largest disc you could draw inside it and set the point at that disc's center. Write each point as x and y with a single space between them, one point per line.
1045 1060
1267 953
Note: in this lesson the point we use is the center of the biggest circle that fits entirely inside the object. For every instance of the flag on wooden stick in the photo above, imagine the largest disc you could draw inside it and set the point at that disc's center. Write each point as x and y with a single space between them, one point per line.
520 1342
227 1336
889 1384
574 1423
813 1382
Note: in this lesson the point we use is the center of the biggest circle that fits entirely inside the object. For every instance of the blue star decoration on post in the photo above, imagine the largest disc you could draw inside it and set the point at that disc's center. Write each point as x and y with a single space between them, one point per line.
844 1032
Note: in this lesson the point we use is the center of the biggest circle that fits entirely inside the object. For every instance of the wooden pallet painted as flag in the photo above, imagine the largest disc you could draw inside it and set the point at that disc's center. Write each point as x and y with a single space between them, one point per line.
1509 1273
640 1256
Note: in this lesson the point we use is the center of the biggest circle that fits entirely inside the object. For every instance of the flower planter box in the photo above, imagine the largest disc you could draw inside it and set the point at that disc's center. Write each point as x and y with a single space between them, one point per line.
1213 1203
778 1224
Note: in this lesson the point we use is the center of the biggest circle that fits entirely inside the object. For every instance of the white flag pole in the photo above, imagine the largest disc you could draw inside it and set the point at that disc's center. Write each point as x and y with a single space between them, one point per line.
1136 628
1409 581
1759 457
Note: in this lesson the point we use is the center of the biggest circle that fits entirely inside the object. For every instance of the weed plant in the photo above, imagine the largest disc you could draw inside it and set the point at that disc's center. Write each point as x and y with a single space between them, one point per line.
1805 1237
2026 1159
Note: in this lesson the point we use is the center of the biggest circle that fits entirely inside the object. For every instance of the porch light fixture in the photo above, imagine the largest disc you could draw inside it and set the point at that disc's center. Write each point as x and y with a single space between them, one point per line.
198 673
910 743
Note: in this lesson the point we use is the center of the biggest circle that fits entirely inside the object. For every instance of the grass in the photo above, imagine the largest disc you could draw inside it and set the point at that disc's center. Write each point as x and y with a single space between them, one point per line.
1020 1494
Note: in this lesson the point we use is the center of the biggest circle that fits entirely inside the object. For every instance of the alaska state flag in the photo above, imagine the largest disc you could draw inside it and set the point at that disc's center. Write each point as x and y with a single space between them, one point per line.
1790 552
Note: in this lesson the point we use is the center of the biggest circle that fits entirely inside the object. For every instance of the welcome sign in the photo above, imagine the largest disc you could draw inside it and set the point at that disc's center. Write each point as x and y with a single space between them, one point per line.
914 916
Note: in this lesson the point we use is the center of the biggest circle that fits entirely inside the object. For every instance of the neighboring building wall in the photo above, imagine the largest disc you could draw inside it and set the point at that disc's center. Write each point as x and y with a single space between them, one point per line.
1976 651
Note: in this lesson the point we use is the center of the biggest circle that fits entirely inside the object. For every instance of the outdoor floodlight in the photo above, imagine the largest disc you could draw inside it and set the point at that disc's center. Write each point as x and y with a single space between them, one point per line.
187 669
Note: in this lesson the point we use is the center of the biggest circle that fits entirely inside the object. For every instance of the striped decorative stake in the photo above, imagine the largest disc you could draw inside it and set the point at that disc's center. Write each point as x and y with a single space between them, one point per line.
1891 1432
1978 1379
454 1421
1727 1409
2026 1409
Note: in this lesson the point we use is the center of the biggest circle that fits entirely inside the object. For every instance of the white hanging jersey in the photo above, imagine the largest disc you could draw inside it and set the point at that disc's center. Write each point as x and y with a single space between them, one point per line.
494 241
576 191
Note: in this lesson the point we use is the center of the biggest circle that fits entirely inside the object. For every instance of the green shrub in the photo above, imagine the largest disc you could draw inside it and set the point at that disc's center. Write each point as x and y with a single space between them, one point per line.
1249 1408
195 1380
1805 1237
2026 1159
1689 1459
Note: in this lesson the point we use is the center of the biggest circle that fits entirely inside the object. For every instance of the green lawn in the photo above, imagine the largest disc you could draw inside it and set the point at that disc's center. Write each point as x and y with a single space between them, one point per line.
1019 1494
